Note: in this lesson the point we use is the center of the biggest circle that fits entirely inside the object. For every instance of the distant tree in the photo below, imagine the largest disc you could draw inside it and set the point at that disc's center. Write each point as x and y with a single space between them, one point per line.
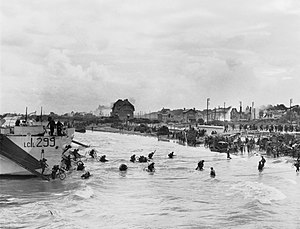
200 121
269 107
260 113
142 128
279 107
191 136
164 130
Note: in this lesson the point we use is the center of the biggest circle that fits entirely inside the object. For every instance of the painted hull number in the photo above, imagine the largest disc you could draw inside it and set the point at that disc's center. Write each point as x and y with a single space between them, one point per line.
41 142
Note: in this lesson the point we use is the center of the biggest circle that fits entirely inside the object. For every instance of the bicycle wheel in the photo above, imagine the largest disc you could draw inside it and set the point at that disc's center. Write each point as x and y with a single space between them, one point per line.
62 175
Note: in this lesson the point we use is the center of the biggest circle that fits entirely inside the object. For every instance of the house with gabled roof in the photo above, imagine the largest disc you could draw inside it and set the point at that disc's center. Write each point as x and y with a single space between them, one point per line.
190 115
123 109
164 115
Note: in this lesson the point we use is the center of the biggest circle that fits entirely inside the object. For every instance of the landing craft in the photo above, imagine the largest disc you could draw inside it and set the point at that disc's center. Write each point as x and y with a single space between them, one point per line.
21 148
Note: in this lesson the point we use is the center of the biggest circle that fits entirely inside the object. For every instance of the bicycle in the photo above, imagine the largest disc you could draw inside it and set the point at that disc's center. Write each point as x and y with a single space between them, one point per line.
58 172
61 174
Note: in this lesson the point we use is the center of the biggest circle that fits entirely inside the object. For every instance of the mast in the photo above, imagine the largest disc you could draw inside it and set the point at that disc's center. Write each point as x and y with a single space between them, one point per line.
41 118
26 115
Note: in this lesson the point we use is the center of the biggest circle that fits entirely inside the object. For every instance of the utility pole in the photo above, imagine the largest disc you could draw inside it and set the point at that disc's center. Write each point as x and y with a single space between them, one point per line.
252 111
240 110
291 100
224 111
207 103
41 115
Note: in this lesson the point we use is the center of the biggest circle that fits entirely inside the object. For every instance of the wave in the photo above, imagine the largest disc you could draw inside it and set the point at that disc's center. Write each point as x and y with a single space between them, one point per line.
85 193
291 181
257 191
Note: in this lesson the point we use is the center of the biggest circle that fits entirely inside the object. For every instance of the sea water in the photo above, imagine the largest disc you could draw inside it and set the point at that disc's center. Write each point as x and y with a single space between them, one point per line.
174 196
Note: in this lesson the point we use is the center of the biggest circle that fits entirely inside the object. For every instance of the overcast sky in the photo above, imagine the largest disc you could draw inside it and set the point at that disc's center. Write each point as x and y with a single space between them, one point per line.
71 55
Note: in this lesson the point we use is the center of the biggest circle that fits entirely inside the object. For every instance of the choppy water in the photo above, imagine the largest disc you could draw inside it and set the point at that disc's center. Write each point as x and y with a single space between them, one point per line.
175 196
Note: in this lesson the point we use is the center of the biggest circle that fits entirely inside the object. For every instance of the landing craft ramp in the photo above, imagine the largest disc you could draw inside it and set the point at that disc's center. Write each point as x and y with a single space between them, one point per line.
16 154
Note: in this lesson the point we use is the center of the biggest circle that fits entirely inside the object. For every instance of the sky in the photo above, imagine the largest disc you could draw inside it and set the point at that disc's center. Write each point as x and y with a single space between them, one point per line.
74 55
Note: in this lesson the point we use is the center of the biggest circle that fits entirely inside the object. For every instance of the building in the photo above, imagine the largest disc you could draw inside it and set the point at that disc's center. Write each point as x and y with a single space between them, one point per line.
123 109
164 115
151 116
190 116
235 115
248 114
177 115
220 114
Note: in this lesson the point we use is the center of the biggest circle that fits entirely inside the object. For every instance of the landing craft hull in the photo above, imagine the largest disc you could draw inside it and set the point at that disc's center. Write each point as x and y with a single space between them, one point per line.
8 167
53 147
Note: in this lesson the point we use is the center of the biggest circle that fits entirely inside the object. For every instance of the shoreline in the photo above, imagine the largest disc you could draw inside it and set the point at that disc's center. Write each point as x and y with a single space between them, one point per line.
118 131
108 129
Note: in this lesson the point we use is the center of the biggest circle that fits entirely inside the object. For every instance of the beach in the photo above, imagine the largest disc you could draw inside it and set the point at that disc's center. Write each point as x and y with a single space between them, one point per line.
174 196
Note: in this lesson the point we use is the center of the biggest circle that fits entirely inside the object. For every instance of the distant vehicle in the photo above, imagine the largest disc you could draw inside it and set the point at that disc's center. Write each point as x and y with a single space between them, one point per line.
80 129
220 147
163 138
